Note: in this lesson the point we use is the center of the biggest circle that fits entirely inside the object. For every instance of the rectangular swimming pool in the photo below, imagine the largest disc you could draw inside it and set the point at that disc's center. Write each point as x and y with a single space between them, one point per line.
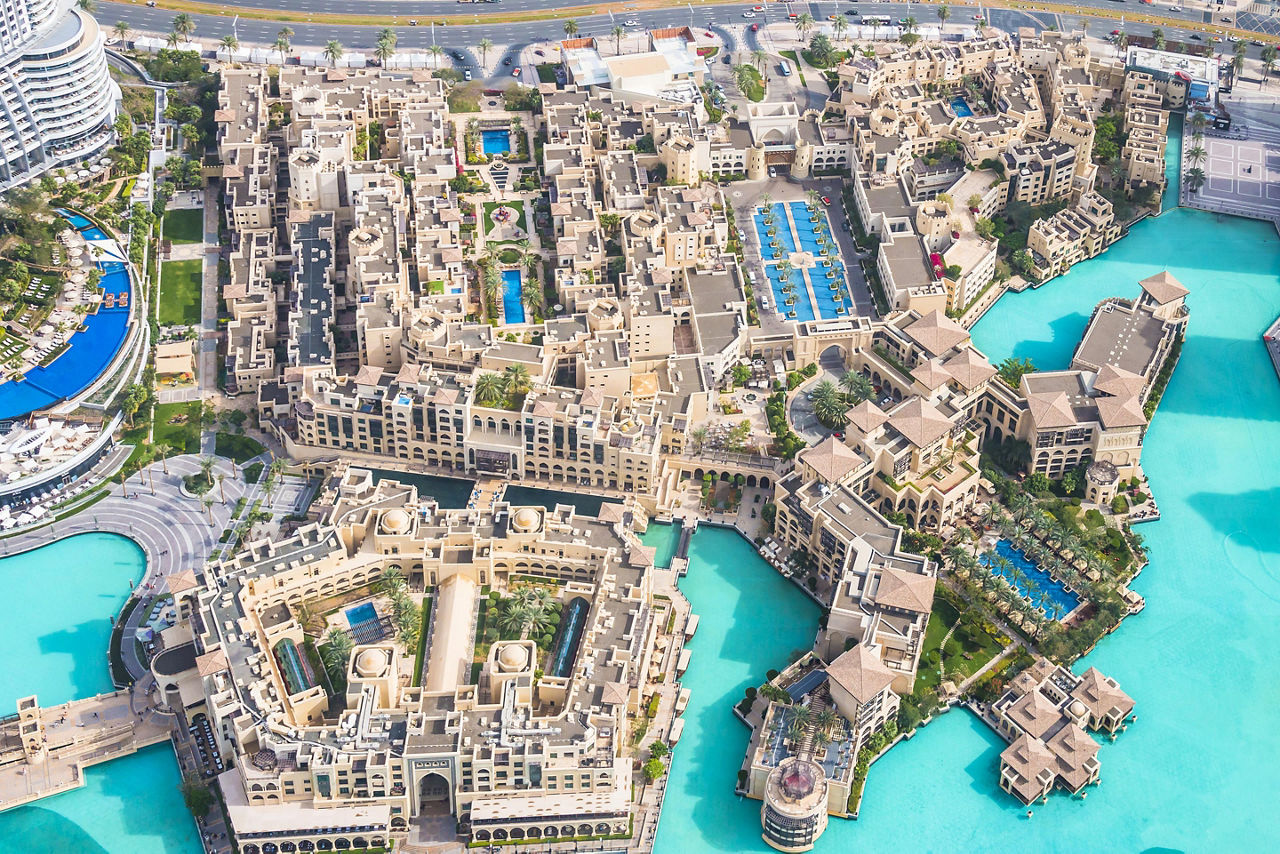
365 625
512 297
960 107
495 141
1051 596
818 290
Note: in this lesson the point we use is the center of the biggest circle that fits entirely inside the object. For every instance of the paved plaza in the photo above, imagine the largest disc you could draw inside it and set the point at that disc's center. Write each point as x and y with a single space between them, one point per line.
1243 175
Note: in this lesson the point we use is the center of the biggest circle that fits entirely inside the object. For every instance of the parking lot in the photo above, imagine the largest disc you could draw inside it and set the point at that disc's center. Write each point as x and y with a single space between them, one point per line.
1242 175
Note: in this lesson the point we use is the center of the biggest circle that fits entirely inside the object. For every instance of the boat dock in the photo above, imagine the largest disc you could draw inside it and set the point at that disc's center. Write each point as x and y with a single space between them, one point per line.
1271 338
680 561
44 752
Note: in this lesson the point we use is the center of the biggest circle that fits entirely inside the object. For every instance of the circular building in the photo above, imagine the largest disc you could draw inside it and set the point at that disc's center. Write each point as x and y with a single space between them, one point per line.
1101 481
795 805
60 100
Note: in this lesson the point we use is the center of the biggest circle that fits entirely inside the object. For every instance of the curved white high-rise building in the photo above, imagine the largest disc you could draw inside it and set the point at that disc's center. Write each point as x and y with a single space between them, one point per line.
57 98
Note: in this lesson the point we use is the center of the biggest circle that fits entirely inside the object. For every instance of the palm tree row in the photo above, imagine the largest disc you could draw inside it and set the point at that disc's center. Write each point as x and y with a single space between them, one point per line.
530 610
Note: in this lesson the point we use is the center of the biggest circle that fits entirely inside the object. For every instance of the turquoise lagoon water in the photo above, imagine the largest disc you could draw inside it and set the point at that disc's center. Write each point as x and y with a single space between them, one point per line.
1197 771
61 600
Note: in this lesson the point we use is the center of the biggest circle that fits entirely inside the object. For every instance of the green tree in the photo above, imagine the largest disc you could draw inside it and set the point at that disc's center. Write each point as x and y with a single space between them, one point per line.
229 43
1157 38
570 28
490 389
121 29
857 387
821 52
1268 57
653 769
484 46
804 25
944 12
337 651
829 404
617 32
183 25
1012 369
516 379
840 26
196 796
333 51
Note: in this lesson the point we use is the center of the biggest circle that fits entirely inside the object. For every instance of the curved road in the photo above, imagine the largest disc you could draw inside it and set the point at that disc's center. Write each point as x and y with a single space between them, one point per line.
174 532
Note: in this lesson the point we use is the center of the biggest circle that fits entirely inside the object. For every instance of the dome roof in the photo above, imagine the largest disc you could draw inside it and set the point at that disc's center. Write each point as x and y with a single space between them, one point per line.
1077 709
527 519
395 521
513 658
371 662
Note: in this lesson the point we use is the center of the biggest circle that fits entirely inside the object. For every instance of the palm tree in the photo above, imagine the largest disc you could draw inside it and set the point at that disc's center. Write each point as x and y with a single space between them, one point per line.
1198 122
1157 38
804 25
617 32
489 389
1195 178
333 51
826 720
759 59
183 25
391 580
121 29
944 12
812 197
387 34
1268 57
743 76
829 405
337 650
384 50
282 47
910 25
207 501
436 52
699 438
802 714
230 43
516 379
173 39
839 26
532 295
571 28
1196 154
86 5
857 387
484 47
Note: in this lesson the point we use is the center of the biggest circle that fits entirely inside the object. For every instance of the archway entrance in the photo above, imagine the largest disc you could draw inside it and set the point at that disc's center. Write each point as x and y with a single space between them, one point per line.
434 822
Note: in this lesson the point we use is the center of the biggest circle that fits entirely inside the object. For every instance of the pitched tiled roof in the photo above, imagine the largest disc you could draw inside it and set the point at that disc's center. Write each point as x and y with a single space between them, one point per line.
860 672
1117 381
936 333
1120 412
831 459
920 422
969 369
931 374
1051 409
1163 287
909 591
866 416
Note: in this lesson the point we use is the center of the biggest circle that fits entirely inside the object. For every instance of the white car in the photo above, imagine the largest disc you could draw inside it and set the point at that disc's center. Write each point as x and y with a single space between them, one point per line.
1175 8
632 23
748 14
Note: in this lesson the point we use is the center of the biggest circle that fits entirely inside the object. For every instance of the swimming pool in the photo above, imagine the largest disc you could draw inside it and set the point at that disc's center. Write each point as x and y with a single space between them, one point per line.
817 292
1033 582
571 625
296 672
495 141
960 107
512 297
91 350
364 623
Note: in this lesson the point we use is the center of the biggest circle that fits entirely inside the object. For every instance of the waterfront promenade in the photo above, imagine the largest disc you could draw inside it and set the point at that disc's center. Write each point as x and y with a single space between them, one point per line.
73 736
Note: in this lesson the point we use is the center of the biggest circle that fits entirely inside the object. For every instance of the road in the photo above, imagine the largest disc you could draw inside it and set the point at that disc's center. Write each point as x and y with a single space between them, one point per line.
211 28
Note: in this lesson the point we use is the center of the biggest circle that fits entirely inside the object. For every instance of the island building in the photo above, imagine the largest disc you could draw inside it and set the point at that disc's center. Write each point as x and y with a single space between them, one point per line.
1044 715
60 102
525 743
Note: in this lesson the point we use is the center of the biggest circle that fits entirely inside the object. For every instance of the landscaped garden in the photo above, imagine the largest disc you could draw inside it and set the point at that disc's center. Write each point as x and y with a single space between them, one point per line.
971 642
516 219
180 287
184 226
237 447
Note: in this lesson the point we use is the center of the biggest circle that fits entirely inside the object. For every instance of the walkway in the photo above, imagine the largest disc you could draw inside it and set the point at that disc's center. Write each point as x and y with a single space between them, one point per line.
207 344
75 735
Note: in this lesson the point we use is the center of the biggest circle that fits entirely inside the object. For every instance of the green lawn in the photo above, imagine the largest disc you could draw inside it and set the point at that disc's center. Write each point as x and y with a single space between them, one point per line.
180 286
238 448
966 652
182 438
184 226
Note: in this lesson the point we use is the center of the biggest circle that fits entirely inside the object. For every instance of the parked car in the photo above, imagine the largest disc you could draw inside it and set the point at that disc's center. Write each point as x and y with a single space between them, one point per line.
538 53
825 200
